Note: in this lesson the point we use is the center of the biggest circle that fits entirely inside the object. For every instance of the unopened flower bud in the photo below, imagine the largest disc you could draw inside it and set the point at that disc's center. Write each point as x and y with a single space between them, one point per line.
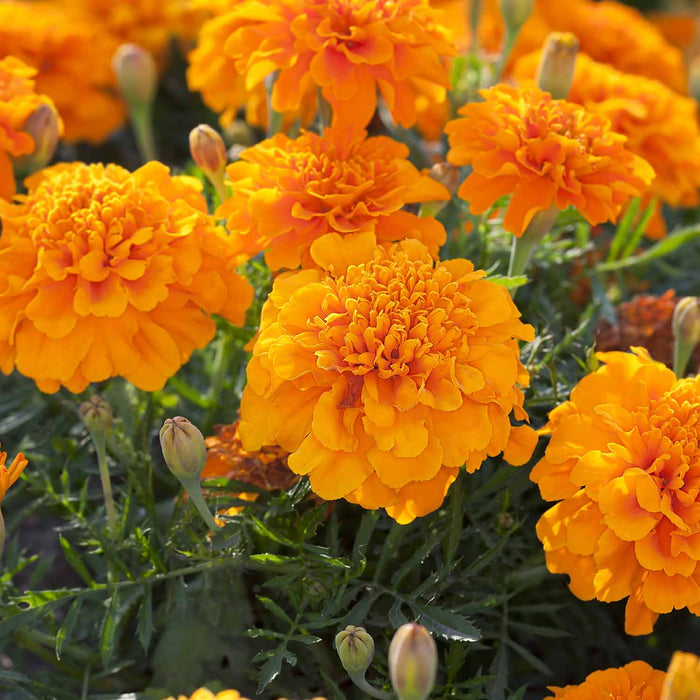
686 332
516 12
413 662
556 70
183 448
355 648
447 175
694 78
97 415
136 72
207 149
44 126
239 133
683 678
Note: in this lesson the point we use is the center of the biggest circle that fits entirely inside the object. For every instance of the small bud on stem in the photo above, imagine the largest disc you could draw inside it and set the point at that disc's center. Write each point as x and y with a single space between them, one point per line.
413 662
556 70
209 153
686 332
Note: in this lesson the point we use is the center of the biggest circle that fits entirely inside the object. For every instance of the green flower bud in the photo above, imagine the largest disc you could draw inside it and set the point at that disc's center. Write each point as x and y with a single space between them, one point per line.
183 448
516 12
355 648
207 149
556 70
686 332
97 415
44 126
413 662
136 72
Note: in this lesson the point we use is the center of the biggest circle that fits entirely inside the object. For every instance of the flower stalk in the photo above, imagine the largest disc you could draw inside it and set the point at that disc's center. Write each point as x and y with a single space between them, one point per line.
686 333
523 247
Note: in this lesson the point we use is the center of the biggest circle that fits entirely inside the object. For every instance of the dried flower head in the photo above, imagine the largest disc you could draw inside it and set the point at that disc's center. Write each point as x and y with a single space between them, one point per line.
624 464
546 153
73 60
288 193
661 126
645 321
19 104
384 371
634 681
107 272
347 48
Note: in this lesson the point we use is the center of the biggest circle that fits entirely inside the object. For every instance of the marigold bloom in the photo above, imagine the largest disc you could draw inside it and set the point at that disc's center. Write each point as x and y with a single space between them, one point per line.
683 677
634 681
661 126
384 371
106 272
8 475
646 321
18 101
546 153
624 462
206 694
347 48
287 193
73 60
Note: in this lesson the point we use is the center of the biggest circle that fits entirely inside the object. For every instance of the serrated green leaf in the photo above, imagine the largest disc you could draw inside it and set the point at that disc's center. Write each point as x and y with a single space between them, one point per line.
68 626
77 564
445 623
275 609
396 616
109 630
272 667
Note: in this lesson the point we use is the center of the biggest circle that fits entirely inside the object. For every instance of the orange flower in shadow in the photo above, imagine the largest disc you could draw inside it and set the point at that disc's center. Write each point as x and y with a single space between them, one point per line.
624 464
288 193
384 371
73 60
634 681
8 475
107 272
348 49
661 126
18 100
545 153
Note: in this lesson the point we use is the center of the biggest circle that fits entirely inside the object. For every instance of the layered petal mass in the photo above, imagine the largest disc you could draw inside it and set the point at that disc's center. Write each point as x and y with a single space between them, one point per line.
624 462
384 372
110 273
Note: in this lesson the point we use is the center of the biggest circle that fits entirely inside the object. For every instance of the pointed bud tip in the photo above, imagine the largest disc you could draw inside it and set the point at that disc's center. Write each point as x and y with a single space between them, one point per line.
355 648
686 320
45 127
183 448
413 662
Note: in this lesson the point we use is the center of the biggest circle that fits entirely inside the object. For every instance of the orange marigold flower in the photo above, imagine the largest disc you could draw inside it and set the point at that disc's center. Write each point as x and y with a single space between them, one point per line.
634 681
624 462
385 371
73 60
546 153
106 272
287 193
18 100
8 475
661 126
347 48
206 694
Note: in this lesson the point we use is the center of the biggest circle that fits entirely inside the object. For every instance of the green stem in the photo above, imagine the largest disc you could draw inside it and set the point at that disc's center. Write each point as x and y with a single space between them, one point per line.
522 248
390 545
274 118
142 124
219 183
100 442
509 43
359 680
221 365
195 491
681 356
474 17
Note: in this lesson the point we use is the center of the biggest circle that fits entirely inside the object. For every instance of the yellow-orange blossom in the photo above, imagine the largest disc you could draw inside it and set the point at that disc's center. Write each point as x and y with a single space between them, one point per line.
384 372
104 272
624 462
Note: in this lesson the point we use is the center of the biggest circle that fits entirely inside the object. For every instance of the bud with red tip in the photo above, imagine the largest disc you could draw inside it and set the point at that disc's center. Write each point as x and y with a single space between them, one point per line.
183 448
97 415
207 149
136 72
45 127
413 662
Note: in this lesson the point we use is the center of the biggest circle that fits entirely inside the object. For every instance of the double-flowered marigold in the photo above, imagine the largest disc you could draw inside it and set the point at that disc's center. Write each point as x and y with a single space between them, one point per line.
18 100
287 193
349 49
624 462
634 681
73 60
546 153
661 126
385 371
106 272
206 694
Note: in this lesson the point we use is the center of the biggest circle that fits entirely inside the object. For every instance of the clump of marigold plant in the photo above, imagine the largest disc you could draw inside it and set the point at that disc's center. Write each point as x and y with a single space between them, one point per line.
384 371
546 153
624 463
288 193
646 321
107 272
265 468
349 49
60 46
18 101
634 681
661 126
